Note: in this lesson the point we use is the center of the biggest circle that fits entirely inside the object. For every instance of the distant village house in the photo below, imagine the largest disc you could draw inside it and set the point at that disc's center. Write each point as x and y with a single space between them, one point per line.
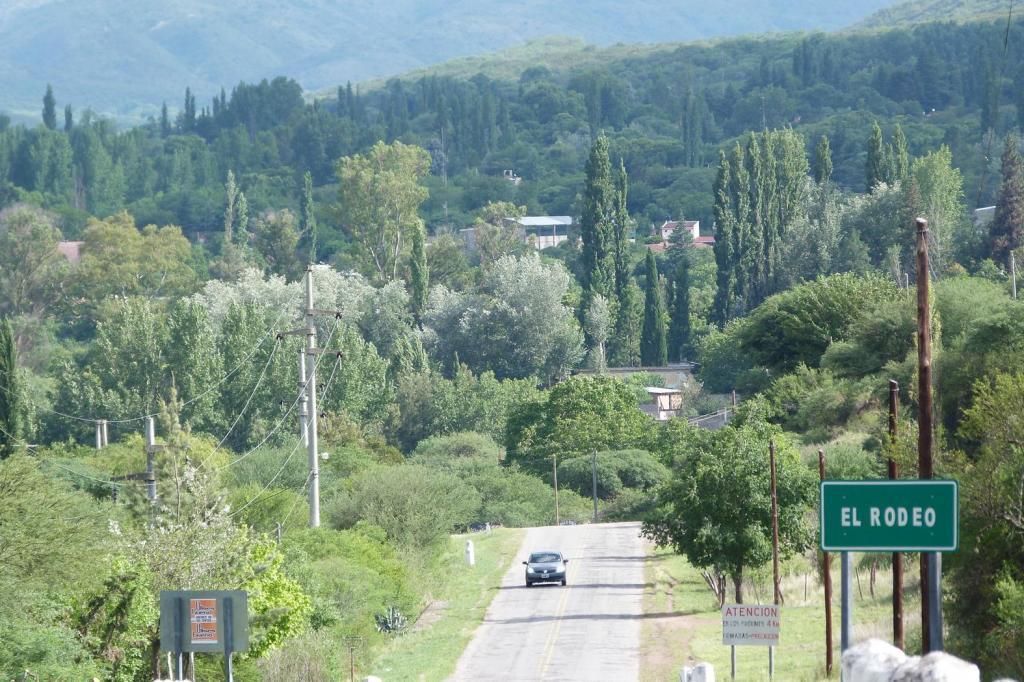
669 227
540 232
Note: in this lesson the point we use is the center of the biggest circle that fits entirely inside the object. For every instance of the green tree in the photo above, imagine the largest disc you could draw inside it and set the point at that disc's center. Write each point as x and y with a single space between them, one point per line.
379 196
597 224
497 232
69 119
724 240
1006 231
419 276
624 346
653 341
10 392
900 155
707 466
195 364
575 418
875 170
276 239
822 161
939 186
597 326
49 109
31 267
992 521
679 330
621 232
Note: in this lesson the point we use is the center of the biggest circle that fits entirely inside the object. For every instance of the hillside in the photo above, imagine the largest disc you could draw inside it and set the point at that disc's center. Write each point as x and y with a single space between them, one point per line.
125 57
923 11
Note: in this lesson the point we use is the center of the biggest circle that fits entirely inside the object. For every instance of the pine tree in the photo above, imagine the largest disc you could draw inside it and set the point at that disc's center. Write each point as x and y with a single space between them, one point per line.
874 170
419 276
309 214
724 239
900 155
10 392
679 333
69 119
653 342
49 109
596 224
822 161
1006 232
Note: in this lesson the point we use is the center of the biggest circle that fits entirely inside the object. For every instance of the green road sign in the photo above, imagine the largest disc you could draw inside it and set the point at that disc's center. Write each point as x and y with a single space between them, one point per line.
890 516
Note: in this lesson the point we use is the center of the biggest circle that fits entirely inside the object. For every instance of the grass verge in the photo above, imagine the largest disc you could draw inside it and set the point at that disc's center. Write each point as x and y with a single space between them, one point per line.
689 628
431 649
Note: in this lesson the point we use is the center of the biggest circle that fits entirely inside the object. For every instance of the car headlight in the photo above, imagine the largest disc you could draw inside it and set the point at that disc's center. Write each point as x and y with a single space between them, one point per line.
530 570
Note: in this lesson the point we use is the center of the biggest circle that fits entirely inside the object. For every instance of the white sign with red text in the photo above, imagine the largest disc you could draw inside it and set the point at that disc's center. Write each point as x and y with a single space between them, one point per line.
750 625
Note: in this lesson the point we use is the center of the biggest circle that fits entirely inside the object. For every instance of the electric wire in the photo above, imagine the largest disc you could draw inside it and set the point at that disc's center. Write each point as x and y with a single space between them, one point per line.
291 407
271 333
284 465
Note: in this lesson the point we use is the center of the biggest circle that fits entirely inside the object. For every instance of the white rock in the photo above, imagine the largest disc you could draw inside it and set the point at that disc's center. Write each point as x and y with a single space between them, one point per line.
871 661
702 672
937 666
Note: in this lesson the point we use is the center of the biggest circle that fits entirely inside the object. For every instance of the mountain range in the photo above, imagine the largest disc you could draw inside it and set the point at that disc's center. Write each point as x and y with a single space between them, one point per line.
125 57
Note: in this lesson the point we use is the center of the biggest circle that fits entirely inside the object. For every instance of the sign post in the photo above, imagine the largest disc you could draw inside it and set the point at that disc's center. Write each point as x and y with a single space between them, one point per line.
886 516
213 621
749 625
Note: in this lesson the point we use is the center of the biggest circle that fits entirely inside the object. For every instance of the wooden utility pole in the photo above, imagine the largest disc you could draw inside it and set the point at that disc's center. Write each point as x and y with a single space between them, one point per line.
775 526
931 567
897 557
777 596
826 574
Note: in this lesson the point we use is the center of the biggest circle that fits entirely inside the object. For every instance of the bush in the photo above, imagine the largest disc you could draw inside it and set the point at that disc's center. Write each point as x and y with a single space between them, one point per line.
416 506
439 450
577 474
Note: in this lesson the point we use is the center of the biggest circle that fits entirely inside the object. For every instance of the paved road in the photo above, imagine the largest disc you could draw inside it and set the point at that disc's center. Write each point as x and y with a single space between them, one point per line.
589 630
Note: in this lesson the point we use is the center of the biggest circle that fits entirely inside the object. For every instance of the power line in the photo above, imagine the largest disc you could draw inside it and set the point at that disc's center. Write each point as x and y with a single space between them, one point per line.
255 388
284 417
272 333
291 454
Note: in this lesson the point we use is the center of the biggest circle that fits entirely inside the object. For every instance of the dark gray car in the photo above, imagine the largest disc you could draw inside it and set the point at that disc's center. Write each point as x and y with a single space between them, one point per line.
545 567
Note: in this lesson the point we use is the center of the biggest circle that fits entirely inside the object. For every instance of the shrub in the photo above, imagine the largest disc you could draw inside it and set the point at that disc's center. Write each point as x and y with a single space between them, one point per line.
439 450
415 505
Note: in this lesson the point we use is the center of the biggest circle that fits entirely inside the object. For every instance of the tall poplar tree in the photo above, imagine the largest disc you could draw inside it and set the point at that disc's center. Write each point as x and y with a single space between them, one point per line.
230 208
49 109
419 276
69 119
822 161
875 169
745 242
653 341
900 154
621 232
1006 231
596 224
679 331
724 239
625 341
10 392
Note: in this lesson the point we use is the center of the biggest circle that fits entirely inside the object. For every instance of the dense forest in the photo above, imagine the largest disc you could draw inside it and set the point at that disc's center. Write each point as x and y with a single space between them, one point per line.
446 398
665 113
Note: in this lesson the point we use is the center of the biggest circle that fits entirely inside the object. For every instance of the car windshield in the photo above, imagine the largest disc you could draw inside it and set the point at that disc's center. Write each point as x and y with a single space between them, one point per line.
545 558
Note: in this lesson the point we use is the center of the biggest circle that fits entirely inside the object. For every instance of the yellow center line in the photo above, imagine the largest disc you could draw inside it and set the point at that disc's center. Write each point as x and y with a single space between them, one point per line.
549 647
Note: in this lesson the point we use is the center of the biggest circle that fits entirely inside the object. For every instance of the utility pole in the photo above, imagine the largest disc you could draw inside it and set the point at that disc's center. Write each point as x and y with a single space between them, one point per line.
777 591
554 472
826 574
303 406
314 456
151 450
897 557
106 434
593 467
99 434
931 562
